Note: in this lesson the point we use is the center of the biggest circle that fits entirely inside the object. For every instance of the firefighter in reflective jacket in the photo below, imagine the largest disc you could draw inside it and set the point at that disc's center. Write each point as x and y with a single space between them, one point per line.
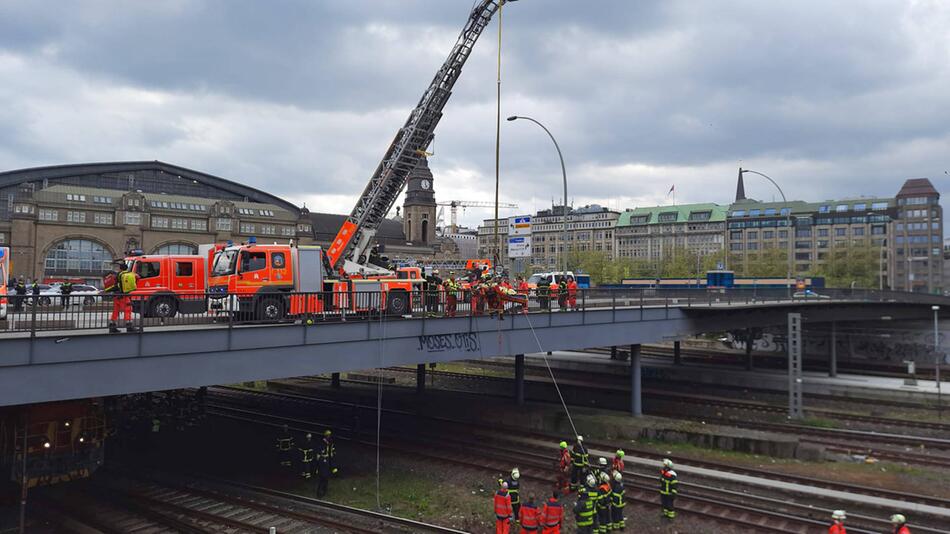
124 284
563 468
529 517
584 513
285 442
617 502
329 450
502 510
306 457
451 296
579 463
552 514
603 503
668 489
837 523
592 495
514 490
900 524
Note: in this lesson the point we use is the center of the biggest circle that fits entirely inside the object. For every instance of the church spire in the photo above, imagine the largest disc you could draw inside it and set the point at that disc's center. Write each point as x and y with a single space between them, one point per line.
740 188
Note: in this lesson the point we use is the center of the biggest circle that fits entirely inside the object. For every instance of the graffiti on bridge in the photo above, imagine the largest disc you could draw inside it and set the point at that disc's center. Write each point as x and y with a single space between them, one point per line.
466 342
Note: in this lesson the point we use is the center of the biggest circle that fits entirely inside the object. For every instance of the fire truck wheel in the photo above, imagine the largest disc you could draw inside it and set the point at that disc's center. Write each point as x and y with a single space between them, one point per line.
270 309
397 303
162 307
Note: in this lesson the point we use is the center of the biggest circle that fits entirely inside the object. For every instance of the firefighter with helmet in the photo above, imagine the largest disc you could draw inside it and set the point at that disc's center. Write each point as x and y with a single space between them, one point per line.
837 522
579 463
617 502
584 513
329 451
306 457
285 443
617 463
900 524
514 490
593 495
603 503
668 490
121 285
563 468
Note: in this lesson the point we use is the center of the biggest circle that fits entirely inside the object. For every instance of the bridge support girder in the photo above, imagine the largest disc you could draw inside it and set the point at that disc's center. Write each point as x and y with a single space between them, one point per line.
519 379
833 351
636 406
677 354
420 378
335 380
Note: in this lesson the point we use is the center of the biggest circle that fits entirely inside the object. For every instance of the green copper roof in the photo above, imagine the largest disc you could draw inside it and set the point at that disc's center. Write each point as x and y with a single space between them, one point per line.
682 212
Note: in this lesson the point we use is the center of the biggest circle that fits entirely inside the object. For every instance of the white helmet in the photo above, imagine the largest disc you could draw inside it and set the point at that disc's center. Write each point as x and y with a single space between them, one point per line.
308 435
898 519
838 514
591 481
515 474
602 462
667 463
604 477
618 476
580 439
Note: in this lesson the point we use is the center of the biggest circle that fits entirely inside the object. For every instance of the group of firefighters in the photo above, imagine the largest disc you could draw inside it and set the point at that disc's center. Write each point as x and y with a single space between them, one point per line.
838 517
321 465
600 503
495 293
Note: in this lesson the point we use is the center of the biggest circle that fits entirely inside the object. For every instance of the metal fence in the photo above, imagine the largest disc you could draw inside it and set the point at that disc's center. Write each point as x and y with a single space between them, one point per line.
28 314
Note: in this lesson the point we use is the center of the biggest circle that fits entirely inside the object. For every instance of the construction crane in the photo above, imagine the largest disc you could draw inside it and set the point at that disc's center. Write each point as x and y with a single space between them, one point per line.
349 249
454 205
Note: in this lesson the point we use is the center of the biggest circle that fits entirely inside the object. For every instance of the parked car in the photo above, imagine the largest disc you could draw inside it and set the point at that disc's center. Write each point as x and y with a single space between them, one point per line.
83 294
809 294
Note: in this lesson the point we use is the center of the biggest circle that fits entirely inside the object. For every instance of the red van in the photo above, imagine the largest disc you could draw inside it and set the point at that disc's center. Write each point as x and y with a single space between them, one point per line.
169 285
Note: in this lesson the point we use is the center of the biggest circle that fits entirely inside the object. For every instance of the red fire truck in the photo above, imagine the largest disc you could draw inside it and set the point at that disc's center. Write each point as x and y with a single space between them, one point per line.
168 284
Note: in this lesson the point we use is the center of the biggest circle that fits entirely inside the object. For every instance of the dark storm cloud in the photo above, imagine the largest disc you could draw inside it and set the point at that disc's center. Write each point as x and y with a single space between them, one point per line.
301 97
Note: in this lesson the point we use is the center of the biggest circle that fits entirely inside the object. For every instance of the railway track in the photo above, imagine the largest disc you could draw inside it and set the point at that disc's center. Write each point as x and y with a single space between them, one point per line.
139 502
706 501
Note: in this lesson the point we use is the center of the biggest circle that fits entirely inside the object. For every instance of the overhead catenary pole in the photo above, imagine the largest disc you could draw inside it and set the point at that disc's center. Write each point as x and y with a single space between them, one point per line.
497 257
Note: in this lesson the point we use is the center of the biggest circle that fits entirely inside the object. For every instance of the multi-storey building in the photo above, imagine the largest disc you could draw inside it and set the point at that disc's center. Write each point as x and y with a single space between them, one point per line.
900 235
656 232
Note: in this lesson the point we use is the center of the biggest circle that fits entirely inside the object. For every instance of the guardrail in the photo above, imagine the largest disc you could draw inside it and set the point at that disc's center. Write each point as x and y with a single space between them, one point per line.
26 314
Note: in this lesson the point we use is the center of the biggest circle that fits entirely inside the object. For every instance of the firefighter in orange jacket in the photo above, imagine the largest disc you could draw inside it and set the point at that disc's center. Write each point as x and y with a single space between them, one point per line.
571 293
529 517
502 510
524 290
553 289
552 514
900 524
563 469
837 523
617 463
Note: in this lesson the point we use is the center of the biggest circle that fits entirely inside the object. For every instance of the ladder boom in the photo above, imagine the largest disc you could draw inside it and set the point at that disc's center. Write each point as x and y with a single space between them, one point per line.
409 145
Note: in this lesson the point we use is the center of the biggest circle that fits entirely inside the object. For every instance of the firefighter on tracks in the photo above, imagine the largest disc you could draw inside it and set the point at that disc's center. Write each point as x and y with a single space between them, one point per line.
837 522
514 491
593 495
563 466
306 457
617 463
603 503
503 512
584 512
668 489
617 502
900 524
579 463
323 475
529 517
329 450
285 444
552 515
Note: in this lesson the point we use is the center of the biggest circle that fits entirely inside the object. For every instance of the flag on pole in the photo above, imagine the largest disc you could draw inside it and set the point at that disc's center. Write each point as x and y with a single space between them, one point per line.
670 192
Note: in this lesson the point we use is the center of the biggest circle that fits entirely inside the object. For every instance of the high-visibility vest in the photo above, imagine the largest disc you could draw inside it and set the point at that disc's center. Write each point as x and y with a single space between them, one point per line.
284 444
552 514
584 511
579 456
902 530
529 517
668 482
502 504
307 454
514 490
616 495
127 282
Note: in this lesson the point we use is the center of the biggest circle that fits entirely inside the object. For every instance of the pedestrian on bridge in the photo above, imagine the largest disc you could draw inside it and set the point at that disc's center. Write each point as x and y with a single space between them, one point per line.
668 489
552 515
837 522
285 443
900 524
572 293
306 457
579 463
451 286
503 511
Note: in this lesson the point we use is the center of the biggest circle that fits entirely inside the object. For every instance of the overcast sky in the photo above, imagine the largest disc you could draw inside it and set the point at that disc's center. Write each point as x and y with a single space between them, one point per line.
301 98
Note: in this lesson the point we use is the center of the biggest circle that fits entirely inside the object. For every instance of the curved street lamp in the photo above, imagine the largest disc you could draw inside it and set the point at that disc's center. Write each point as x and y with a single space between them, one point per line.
564 174
791 231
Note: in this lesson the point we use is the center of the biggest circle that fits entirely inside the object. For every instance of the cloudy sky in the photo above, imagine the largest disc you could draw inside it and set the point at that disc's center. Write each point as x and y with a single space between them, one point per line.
301 98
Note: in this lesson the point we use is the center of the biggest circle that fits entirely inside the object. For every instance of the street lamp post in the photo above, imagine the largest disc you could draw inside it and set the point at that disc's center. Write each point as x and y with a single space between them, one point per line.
791 231
936 310
564 174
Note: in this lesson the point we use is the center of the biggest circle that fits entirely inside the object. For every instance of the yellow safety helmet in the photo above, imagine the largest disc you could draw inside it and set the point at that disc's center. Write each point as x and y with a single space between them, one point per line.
563 444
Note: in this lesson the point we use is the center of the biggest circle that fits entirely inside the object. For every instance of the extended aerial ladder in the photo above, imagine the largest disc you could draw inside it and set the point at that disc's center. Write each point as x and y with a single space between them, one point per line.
349 249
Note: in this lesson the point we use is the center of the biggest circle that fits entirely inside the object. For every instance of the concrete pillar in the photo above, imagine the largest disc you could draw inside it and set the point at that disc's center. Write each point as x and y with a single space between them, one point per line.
519 379
613 352
749 341
420 378
335 380
636 406
833 352
677 355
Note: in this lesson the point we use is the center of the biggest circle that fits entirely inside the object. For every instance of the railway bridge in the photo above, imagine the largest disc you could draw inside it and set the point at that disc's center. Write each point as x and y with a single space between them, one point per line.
49 356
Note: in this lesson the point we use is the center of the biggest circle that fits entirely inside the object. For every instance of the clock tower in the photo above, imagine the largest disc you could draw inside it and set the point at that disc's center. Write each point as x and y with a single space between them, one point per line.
419 209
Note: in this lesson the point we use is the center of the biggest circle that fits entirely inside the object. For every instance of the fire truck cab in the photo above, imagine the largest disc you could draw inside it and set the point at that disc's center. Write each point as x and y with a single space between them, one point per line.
168 285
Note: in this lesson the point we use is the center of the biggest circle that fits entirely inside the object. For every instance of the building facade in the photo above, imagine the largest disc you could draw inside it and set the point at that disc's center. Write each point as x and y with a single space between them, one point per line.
901 236
655 232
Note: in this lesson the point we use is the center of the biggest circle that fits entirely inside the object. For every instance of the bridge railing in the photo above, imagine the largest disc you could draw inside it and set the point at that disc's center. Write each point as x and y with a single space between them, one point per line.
82 312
